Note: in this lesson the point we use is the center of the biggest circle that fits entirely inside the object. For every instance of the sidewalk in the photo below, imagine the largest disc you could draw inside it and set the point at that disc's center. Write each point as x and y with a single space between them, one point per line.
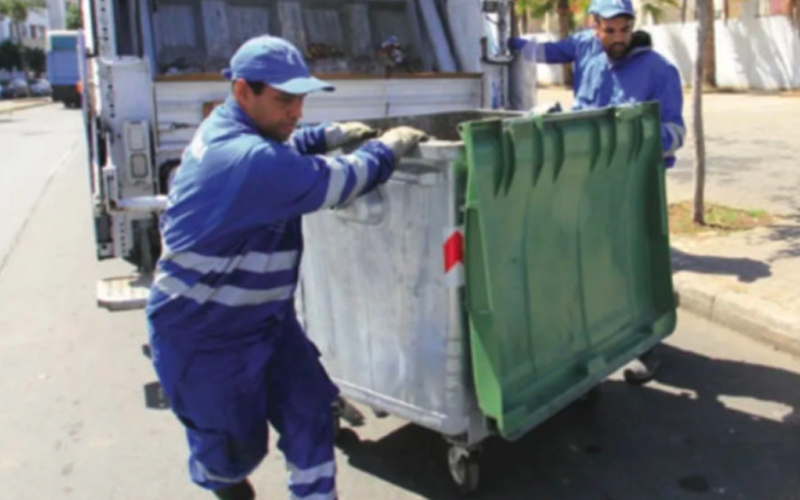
11 105
748 281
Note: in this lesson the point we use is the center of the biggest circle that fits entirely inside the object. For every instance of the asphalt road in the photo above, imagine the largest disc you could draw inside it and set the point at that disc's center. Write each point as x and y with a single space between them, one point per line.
34 143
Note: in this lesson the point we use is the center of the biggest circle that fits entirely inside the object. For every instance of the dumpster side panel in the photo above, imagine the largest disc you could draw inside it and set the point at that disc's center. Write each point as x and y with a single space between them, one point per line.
377 303
567 256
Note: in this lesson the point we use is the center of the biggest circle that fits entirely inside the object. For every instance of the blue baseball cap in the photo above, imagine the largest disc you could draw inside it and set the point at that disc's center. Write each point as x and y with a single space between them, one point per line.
277 63
612 8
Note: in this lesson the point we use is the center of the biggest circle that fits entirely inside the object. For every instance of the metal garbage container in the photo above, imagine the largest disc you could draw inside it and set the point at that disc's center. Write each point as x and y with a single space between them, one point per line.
507 268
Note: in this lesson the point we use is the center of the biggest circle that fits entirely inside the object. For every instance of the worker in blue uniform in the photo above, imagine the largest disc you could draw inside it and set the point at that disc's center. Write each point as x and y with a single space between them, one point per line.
226 343
614 65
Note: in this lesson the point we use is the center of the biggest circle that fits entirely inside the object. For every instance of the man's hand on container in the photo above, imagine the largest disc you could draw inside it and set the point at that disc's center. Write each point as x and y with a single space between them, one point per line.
340 134
401 140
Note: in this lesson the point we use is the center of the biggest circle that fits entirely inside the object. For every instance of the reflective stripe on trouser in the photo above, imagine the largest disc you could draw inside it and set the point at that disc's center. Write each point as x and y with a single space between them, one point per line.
314 483
225 397
306 432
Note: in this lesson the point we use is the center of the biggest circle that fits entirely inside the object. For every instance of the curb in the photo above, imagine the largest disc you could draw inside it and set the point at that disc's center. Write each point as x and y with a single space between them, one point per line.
24 106
755 318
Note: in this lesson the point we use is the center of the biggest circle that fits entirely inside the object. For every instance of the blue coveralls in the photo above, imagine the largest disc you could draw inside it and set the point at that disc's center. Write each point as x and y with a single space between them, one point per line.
642 76
227 347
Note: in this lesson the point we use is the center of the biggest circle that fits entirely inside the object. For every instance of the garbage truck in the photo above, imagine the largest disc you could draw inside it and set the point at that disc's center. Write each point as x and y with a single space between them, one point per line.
522 258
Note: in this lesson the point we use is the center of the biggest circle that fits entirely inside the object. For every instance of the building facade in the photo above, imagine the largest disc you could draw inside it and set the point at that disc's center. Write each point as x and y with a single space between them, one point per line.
33 32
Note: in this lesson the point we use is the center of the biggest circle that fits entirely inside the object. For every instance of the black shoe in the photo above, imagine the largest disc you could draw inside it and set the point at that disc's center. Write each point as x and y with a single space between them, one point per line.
238 491
642 370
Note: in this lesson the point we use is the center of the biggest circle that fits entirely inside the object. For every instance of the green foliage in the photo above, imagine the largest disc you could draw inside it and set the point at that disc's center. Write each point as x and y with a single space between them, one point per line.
18 10
74 20
34 59
537 9
10 56
655 8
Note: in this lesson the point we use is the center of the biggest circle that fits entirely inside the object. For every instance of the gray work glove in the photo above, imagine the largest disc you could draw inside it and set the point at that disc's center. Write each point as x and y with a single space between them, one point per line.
401 140
340 134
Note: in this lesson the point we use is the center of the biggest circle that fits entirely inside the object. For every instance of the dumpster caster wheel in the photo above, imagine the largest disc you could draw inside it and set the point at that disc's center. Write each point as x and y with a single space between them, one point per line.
464 468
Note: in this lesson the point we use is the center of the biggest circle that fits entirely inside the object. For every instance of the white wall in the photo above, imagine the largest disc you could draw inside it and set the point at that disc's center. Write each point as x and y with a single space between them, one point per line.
678 43
761 53
754 53
548 74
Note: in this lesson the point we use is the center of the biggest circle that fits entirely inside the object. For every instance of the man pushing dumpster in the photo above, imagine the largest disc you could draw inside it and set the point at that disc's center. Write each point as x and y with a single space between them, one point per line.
615 66
227 346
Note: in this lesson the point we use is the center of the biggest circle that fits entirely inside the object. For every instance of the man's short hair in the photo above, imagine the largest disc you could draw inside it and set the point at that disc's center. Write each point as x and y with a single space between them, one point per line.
256 87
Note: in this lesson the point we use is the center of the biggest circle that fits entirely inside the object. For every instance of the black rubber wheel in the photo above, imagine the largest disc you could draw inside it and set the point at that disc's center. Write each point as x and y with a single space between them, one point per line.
464 469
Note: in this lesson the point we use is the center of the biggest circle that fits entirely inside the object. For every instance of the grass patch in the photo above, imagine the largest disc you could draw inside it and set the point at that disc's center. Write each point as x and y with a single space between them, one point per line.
719 219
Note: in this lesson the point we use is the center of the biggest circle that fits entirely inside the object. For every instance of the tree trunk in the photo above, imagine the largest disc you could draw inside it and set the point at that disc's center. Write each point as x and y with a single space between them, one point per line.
796 9
524 23
699 135
793 11
564 29
710 68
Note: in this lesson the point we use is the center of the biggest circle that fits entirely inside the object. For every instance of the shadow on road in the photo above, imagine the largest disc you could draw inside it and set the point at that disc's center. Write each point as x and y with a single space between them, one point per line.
685 440
747 270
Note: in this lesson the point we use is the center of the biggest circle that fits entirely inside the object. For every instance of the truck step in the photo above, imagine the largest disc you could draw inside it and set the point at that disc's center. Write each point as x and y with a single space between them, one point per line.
124 293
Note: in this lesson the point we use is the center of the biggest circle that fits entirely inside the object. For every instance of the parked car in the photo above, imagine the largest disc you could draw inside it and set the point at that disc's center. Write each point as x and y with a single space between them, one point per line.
40 88
15 88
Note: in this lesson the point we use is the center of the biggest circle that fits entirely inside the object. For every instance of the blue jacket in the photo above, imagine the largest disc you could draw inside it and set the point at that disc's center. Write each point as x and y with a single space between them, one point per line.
644 75
231 232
